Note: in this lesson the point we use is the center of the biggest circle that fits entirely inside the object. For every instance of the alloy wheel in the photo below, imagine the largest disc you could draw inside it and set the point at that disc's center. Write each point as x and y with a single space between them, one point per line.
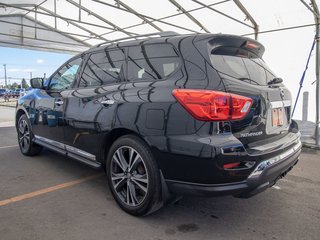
129 176
24 135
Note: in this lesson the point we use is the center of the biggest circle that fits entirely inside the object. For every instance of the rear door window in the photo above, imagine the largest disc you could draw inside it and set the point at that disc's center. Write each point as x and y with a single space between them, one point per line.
103 68
151 62
241 64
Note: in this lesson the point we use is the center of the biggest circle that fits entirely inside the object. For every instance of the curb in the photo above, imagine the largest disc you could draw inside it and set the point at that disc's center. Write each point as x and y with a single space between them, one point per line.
7 124
311 146
3 105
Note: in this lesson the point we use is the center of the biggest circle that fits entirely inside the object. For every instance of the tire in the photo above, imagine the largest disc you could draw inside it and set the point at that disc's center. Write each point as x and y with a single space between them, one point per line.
134 181
25 137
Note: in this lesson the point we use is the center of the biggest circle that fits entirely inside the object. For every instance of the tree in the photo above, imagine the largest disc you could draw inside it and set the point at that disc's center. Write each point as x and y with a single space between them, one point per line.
24 83
14 86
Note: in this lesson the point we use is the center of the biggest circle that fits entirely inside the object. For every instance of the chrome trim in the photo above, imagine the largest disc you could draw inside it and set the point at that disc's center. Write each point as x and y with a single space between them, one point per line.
49 141
267 163
58 102
279 104
107 102
71 149
94 164
81 152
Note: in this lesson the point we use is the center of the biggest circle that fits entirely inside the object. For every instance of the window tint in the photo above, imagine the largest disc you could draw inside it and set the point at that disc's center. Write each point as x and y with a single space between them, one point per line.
102 68
151 61
241 64
65 76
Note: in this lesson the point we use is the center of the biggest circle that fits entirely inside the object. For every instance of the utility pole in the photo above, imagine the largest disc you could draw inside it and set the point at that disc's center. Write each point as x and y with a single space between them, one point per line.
5 74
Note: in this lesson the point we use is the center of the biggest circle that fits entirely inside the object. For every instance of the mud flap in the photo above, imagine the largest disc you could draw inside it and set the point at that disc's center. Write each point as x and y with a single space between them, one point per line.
163 198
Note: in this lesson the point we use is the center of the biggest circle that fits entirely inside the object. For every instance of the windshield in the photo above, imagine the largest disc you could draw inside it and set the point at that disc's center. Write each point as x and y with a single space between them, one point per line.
241 64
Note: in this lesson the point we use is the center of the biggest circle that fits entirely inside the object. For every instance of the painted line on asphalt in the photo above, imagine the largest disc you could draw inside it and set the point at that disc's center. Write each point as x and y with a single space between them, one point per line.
10 146
47 190
276 187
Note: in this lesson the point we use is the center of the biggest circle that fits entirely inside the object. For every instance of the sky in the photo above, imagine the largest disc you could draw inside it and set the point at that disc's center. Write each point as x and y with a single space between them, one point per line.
286 54
21 63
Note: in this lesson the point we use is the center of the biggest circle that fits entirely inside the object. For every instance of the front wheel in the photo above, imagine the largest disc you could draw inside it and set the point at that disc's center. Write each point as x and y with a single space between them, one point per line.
133 176
25 137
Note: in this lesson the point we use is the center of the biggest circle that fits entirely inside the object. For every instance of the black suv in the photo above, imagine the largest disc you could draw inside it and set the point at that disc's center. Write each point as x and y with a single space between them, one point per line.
166 116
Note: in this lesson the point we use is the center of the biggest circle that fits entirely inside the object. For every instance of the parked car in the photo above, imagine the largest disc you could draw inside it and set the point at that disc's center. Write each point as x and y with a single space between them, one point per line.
17 92
2 92
13 93
22 92
167 116
9 94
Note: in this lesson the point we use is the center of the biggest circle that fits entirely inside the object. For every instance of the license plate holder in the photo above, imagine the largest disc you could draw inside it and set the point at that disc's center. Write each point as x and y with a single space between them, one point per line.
277 117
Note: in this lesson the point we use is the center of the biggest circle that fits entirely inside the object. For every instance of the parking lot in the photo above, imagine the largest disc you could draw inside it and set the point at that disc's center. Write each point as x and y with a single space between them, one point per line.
52 197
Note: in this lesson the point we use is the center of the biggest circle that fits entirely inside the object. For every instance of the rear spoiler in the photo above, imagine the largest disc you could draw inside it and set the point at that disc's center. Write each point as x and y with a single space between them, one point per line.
214 41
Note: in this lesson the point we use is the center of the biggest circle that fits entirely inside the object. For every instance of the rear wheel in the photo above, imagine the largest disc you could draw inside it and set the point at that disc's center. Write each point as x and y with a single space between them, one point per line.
133 176
25 137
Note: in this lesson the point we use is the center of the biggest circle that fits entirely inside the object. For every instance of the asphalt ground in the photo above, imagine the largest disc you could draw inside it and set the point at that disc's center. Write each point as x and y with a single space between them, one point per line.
11 103
52 197
6 116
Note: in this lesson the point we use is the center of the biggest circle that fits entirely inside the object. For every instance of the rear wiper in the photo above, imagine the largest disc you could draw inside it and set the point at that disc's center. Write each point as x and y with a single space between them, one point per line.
275 81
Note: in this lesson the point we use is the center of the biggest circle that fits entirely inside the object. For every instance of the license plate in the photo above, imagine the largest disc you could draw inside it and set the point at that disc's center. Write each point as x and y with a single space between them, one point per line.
277 117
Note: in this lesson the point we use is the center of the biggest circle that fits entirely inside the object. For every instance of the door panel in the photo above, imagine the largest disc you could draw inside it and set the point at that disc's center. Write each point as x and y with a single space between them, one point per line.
89 116
47 116
48 107
90 109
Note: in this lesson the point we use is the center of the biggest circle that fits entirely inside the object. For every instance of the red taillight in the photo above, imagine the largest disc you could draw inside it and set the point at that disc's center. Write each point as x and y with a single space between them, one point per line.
251 45
231 165
209 105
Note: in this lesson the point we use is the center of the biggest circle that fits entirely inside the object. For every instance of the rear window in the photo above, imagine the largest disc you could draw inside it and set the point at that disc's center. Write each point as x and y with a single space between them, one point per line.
241 64
151 62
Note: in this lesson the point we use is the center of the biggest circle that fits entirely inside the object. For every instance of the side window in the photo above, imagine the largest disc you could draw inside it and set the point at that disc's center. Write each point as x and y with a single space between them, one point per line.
102 68
65 76
151 61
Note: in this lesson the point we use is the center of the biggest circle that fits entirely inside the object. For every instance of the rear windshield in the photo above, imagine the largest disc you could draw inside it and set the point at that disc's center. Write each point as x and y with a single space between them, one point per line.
241 64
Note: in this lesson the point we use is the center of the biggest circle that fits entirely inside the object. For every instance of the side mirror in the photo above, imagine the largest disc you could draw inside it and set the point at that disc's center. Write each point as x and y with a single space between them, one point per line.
36 83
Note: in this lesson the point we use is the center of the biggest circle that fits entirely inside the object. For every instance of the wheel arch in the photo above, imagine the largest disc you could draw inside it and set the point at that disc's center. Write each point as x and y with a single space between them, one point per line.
19 113
113 135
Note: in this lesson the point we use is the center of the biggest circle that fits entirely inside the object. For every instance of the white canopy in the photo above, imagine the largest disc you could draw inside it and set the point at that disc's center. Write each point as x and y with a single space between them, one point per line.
74 25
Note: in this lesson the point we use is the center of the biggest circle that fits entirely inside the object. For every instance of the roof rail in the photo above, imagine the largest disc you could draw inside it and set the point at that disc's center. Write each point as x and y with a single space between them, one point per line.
161 34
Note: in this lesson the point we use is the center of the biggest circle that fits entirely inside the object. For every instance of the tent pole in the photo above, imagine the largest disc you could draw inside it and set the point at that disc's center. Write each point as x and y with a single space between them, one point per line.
317 136
317 21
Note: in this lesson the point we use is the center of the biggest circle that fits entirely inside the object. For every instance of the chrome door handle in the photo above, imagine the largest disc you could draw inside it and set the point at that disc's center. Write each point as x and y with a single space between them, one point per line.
107 102
59 102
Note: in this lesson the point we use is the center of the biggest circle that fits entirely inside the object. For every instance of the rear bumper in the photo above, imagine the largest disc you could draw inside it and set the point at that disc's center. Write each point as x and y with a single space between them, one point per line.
264 176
